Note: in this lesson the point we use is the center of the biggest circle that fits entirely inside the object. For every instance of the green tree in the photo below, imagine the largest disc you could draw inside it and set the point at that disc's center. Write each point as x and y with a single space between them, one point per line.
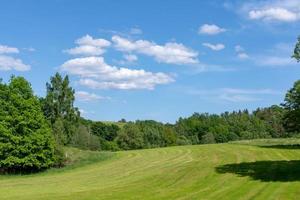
296 54
106 131
130 137
59 105
84 139
26 142
273 119
292 106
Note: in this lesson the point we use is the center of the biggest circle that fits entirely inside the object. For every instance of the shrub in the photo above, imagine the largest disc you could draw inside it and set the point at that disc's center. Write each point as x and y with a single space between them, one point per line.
83 139
208 138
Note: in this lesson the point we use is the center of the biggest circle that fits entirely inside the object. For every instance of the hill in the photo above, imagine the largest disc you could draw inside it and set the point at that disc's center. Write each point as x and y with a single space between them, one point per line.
261 169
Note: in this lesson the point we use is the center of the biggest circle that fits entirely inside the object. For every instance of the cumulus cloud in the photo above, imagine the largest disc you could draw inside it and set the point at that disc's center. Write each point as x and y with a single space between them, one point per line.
171 53
214 47
10 63
86 96
6 49
273 10
210 29
88 46
90 41
97 74
279 14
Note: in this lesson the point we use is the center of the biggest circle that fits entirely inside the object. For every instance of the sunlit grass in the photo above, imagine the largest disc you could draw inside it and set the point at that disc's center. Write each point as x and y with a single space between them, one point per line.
217 171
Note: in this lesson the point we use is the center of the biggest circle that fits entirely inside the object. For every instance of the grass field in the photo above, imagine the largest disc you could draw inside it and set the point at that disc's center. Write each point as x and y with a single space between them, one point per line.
261 169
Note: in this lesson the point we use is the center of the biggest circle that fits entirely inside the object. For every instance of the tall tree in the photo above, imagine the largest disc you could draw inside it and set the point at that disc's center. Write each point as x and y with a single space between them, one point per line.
26 142
59 107
292 106
296 54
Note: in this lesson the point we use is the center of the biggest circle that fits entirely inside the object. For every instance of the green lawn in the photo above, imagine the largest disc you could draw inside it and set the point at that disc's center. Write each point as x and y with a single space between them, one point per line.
269 170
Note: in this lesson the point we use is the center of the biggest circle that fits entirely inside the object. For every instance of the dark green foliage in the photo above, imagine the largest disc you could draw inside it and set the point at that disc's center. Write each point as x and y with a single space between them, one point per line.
130 137
263 123
296 53
273 116
108 145
152 132
292 107
106 131
169 135
26 142
58 106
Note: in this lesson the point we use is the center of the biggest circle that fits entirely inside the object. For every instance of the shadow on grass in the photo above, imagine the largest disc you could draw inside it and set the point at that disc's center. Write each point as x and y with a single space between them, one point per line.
287 146
266 171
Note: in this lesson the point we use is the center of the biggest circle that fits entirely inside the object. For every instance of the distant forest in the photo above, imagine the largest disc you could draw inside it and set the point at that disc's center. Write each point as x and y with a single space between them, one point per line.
34 130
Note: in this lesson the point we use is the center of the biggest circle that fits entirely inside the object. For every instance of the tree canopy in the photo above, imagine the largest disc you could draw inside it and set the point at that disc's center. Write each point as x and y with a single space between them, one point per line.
26 142
59 109
292 106
296 53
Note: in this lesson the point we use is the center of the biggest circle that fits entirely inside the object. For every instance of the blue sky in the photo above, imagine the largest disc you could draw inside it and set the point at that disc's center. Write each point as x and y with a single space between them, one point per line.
154 59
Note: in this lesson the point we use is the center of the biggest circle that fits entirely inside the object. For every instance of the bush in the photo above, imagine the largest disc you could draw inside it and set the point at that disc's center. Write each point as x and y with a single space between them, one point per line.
182 140
208 138
108 145
83 139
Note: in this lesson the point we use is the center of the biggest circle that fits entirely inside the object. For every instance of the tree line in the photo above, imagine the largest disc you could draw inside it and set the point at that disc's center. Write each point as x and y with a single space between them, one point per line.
34 130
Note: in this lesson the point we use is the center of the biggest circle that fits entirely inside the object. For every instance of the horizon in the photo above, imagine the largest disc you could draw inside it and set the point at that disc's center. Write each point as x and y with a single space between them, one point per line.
130 60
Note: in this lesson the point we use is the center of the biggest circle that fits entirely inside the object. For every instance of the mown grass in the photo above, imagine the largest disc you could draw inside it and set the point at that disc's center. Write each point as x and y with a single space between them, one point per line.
257 170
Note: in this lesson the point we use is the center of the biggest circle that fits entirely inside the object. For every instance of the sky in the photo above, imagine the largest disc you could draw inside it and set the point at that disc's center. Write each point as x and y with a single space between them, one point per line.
154 59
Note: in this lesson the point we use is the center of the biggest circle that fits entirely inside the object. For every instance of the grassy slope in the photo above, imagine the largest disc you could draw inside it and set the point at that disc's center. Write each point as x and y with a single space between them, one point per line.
220 171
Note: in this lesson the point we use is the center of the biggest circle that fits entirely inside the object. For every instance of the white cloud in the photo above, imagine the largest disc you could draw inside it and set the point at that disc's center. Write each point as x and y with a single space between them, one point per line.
89 46
85 96
135 31
235 94
31 49
97 74
238 48
273 10
85 113
9 63
130 57
172 53
90 41
243 55
210 29
6 49
241 52
85 50
215 47
279 14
